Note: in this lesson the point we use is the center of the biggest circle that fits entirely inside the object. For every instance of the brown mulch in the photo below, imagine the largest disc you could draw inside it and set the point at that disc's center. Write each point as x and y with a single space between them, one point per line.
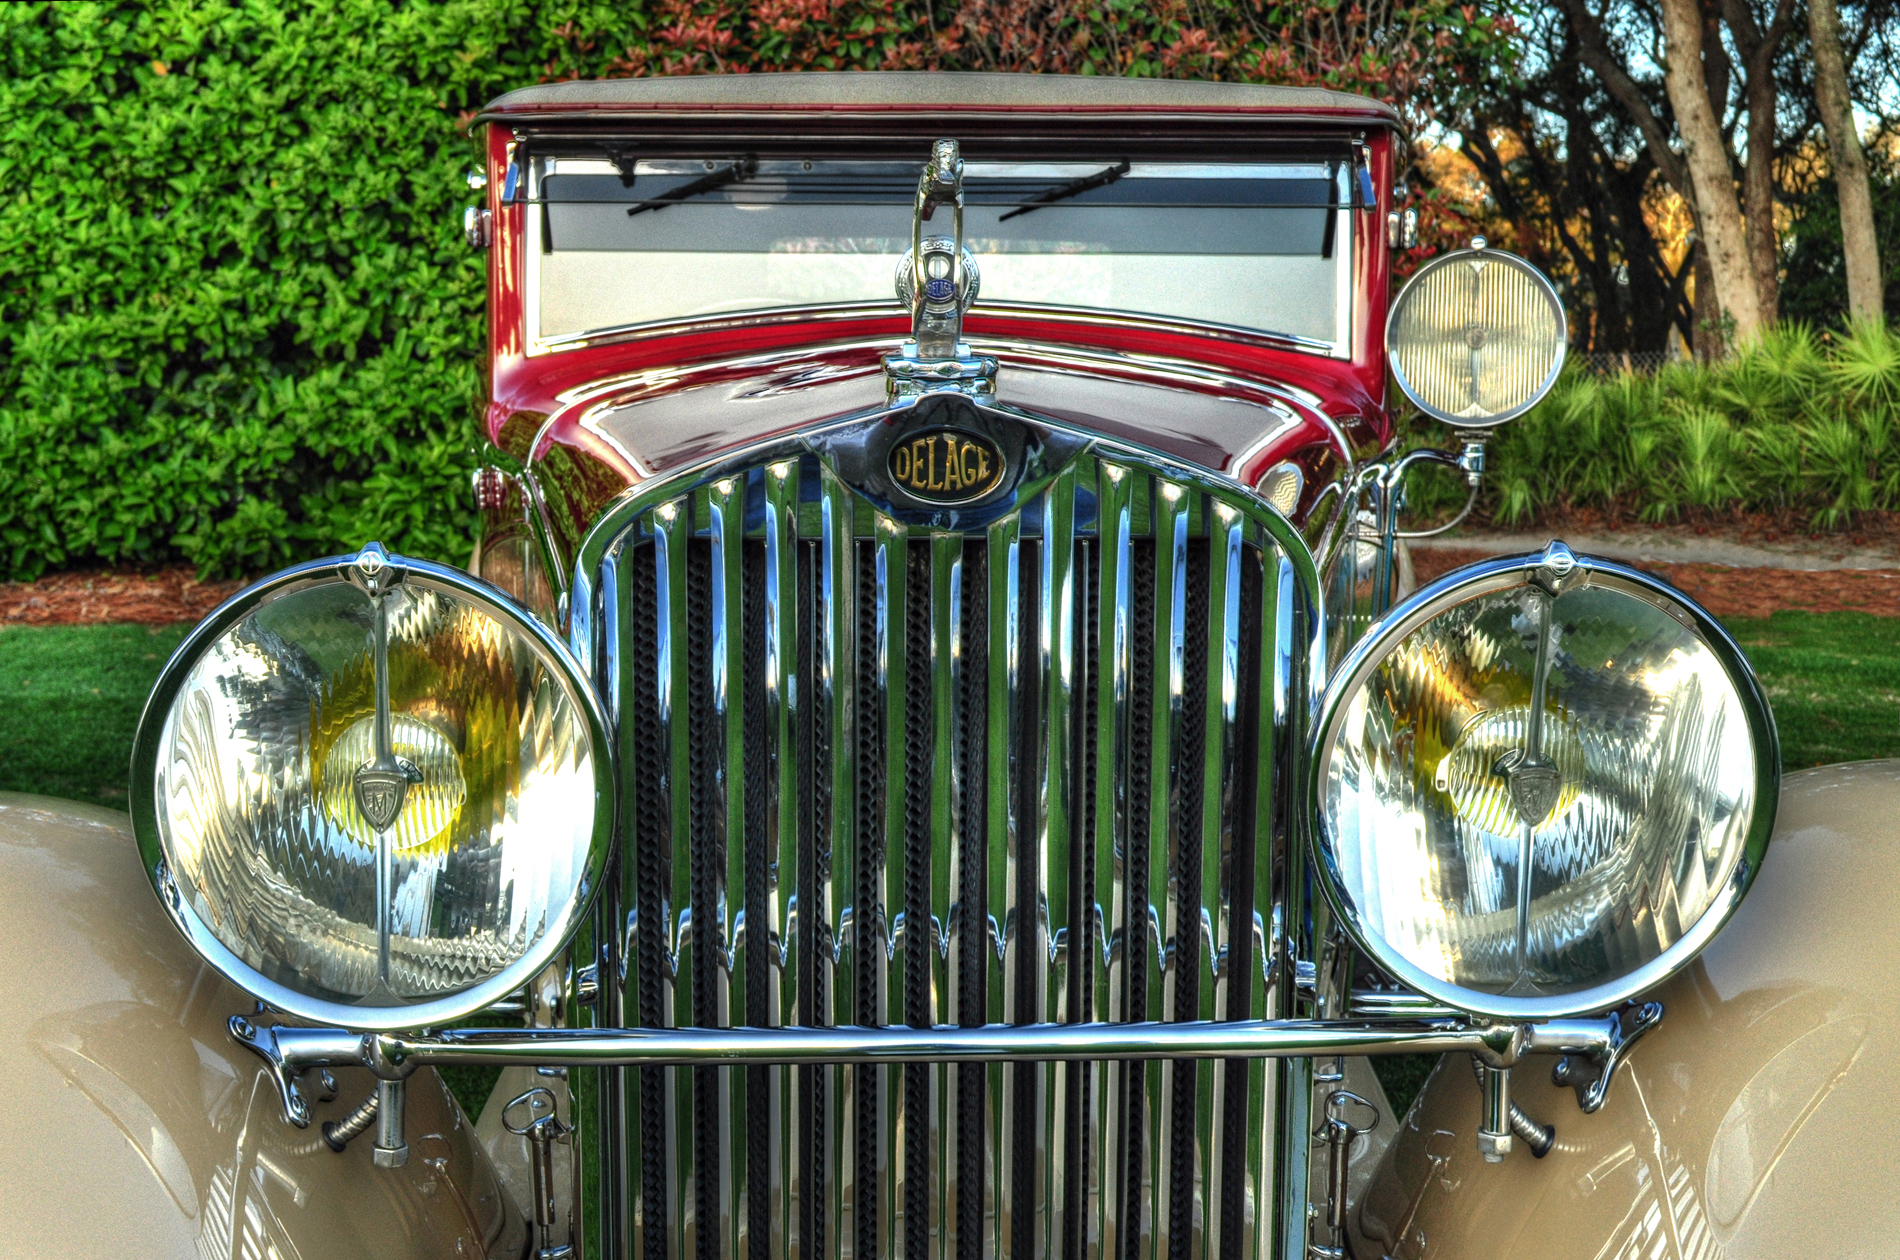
1868 529
169 596
148 599
1738 592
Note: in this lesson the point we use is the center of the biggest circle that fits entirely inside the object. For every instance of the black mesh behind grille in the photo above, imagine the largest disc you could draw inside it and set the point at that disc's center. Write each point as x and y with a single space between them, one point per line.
1141 564
919 756
815 914
651 843
868 899
1186 945
708 858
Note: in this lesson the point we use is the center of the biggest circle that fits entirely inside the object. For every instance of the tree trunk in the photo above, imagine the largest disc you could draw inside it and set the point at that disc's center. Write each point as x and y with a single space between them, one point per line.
1758 192
1759 47
1865 300
1718 216
1706 343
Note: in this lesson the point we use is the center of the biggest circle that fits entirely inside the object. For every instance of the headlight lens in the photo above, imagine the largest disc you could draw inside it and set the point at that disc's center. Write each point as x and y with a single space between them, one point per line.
1642 800
1476 337
258 797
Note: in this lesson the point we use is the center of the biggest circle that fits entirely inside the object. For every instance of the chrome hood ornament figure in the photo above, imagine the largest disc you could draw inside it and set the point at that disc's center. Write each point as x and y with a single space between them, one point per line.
937 279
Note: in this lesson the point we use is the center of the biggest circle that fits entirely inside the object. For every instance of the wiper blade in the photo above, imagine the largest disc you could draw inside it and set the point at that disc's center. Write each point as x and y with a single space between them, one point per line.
741 169
1074 188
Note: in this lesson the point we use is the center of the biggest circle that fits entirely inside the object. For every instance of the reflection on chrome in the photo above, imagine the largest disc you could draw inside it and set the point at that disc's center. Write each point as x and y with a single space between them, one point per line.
267 840
1656 793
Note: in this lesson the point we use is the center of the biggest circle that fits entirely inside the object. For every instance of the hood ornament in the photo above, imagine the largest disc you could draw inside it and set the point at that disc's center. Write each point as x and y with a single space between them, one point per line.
937 279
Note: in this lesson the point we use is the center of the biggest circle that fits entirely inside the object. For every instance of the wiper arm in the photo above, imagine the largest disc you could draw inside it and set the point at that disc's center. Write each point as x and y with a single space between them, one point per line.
1074 188
741 169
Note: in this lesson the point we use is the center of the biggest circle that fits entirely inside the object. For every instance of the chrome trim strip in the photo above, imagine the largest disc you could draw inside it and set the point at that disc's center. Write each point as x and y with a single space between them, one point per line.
782 767
879 1088
725 865
673 525
1172 509
1108 928
1003 794
836 312
1054 779
942 866
837 978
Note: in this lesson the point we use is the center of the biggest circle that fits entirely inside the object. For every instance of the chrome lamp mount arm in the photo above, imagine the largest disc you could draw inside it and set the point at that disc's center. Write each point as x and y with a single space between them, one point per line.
1381 487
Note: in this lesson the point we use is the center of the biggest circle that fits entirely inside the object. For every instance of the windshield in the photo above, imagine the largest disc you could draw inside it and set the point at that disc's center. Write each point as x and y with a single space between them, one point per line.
1255 246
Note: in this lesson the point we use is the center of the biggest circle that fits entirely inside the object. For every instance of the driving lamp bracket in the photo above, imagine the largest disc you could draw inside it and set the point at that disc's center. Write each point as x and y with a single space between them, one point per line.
1590 1074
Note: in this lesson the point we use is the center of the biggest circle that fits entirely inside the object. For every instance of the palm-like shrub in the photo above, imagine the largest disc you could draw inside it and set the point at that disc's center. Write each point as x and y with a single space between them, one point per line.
1790 424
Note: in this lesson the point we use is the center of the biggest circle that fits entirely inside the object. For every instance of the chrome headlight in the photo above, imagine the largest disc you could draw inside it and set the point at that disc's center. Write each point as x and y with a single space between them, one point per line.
1476 337
373 791
1543 785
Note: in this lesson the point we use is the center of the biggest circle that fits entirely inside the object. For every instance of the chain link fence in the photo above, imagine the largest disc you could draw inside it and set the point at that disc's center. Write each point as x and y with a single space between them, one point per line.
1613 362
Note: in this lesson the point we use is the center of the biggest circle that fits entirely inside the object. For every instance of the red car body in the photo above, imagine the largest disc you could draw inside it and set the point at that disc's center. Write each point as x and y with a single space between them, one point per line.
1218 398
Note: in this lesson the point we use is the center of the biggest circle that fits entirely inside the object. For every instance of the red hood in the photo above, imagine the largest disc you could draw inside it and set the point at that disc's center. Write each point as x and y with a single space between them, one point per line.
594 422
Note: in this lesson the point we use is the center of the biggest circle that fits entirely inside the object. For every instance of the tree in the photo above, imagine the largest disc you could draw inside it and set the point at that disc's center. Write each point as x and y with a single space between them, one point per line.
1718 216
1860 245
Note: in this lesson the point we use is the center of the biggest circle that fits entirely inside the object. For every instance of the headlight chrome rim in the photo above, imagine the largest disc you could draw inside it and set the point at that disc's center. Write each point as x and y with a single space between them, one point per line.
427 575
1486 578
1409 292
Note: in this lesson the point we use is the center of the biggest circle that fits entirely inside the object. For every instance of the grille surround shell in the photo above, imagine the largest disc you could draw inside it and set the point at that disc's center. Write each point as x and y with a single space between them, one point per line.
1065 483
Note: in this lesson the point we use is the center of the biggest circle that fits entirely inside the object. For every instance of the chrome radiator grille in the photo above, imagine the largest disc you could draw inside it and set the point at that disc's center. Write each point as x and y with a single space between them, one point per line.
879 772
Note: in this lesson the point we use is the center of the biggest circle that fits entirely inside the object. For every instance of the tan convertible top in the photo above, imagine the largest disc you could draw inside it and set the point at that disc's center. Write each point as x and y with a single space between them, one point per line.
925 90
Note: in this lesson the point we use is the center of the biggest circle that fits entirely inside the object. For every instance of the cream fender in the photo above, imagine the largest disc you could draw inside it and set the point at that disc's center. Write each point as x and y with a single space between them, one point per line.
1756 1120
132 1125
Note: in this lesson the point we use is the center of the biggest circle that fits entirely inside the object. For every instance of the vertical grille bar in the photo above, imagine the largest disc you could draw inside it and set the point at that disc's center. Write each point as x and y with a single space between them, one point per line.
1055 933
838 860
615 913
1253 983
1266 995
1160 905
1003 560
726 862
944 840
883 981
788 1170
970 942
1227 534
1109 911
673 524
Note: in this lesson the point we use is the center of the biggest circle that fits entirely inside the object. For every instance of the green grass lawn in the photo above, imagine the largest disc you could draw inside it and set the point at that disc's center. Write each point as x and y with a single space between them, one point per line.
71 697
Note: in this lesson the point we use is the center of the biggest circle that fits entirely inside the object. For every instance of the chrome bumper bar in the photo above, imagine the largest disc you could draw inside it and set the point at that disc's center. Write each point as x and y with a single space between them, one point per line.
291 1051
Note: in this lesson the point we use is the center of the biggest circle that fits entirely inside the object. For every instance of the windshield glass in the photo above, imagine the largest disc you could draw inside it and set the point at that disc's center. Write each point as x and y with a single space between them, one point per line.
1254 246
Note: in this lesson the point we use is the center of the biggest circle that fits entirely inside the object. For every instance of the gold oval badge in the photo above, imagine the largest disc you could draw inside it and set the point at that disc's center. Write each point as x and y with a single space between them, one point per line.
947 466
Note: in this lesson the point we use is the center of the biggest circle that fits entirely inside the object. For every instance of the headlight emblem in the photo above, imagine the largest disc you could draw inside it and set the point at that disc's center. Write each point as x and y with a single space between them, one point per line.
374 792
1543 784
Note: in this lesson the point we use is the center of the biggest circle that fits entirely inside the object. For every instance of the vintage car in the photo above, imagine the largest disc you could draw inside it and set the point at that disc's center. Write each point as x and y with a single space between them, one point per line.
931 758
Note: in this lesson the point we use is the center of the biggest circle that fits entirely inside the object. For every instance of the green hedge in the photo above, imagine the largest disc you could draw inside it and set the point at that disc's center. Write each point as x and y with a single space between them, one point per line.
237 322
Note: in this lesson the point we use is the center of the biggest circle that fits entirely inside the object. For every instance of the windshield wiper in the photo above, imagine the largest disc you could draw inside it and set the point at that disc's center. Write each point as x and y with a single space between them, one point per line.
1074 188
741 169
